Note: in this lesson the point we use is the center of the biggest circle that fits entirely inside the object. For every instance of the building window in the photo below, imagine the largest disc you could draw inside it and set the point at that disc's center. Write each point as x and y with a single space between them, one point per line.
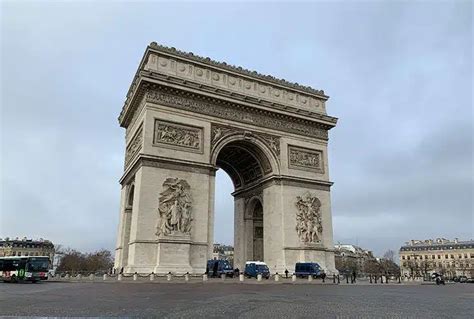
426 256
452 256
439 256
408 257
403 257
432 256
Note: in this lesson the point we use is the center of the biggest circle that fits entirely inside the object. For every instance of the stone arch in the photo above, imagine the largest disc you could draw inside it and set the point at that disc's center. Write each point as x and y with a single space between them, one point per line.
256 159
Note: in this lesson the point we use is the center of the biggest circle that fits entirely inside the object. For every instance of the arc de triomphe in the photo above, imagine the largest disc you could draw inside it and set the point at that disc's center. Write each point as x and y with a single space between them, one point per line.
185 117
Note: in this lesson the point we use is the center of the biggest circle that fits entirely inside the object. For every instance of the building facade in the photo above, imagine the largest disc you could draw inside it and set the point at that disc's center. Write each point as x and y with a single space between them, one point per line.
451 258
225 252
351 258
26 247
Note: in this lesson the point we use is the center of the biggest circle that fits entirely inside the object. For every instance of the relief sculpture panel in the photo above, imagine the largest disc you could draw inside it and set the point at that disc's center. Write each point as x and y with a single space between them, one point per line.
174 208
134 146
174 135
308 218
305 159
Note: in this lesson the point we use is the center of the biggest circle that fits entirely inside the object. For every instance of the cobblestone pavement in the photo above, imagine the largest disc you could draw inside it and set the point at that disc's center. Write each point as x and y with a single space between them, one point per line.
233 300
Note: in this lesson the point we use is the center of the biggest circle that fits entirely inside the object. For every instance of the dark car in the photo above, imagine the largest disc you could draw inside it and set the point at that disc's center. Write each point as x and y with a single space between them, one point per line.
309 269
218 267
462 279
253 268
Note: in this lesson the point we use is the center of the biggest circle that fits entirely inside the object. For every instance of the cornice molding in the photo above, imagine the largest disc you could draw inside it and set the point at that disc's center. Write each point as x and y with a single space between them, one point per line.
168 163
192 102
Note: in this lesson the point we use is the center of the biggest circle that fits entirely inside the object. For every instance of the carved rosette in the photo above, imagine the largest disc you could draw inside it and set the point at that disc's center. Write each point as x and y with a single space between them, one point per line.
174 208
134 146
308 218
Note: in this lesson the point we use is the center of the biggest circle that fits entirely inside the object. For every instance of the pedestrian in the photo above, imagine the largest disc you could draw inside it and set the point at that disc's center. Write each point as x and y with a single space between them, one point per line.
286 273
215 268
354 275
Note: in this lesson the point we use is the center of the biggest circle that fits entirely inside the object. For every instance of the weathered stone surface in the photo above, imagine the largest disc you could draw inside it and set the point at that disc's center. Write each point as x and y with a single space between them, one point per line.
185 119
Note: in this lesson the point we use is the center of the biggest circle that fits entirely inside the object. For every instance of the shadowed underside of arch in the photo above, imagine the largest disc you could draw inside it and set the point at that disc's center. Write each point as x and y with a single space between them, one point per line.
244 162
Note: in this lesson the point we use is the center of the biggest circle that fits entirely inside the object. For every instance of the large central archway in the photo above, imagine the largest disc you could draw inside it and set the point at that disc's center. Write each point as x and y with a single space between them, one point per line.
243 158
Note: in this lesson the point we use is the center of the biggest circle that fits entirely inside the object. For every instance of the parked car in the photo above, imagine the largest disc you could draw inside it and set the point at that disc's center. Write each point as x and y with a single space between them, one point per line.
438 278
217 267
462 279
253 268
307 269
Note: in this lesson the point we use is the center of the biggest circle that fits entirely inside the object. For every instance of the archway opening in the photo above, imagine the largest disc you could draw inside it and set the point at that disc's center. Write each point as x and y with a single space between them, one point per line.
241 215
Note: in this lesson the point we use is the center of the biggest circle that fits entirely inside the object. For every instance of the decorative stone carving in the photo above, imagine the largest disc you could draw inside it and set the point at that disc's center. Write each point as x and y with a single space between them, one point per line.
272 142
175 208
178 135
134 146
306 159
236 112
308 218
220 131
223 65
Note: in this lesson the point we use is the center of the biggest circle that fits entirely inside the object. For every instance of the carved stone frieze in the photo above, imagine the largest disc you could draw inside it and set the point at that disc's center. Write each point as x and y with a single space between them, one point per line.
256 86
236 112
174 208
178 135
134 146
306 159
308 218
208 61
134 119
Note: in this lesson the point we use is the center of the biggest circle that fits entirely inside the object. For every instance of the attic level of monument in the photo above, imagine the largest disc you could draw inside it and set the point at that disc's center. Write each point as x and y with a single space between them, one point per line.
188 72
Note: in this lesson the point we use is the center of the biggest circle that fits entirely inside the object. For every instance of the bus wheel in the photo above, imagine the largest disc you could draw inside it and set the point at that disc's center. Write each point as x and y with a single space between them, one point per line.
13 279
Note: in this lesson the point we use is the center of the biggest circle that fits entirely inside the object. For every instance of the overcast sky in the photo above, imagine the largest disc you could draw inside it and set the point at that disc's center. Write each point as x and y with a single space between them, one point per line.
399 75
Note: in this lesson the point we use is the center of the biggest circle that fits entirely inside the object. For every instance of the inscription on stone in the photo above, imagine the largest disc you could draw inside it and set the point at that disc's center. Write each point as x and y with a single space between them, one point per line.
306 159
178 135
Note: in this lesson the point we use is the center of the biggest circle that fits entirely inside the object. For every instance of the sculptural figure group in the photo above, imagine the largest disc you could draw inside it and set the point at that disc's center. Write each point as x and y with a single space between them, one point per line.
308 218
174 208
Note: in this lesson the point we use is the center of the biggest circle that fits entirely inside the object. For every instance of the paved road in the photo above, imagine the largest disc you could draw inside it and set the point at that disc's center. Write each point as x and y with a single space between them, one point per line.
233 300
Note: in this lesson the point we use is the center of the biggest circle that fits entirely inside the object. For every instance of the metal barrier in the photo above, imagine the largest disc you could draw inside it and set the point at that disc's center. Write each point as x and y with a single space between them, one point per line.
83 276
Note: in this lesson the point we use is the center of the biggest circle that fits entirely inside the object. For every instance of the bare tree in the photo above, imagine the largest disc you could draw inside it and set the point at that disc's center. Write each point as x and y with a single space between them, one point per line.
389 255
75 261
